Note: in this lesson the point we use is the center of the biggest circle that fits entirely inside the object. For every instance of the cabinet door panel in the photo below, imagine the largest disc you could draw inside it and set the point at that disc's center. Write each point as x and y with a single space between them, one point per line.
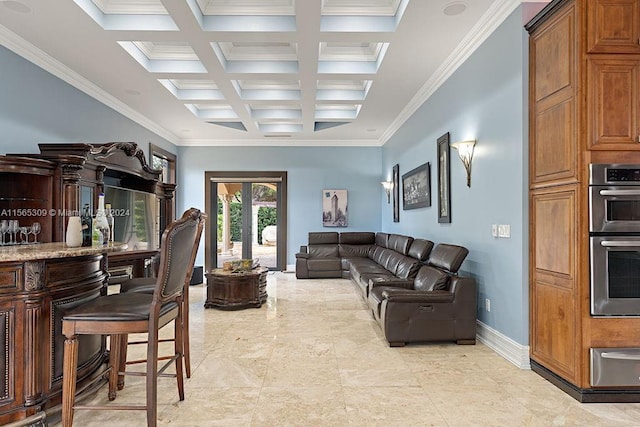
613 26
612 110
554 313
552 52
554 143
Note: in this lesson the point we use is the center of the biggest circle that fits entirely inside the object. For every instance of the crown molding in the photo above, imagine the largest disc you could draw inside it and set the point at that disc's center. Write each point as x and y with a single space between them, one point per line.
488 23
31 53
278 142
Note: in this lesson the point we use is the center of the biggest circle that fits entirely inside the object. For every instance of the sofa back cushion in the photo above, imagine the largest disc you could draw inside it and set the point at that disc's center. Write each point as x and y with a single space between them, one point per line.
382 239
420 249
375 253
400 243
448 257
357 238
323 251
431 279
392 261
323 238
407 267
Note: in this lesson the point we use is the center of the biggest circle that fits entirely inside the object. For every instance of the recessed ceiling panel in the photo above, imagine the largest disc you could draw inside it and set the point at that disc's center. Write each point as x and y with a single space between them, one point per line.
193 90
246 7
139 15
164 57
213 112
381 16
342 90
244 16
360 7
259 51
280 59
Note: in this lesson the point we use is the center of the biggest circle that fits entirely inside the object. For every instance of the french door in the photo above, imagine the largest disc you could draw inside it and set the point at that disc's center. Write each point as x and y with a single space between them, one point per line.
246 218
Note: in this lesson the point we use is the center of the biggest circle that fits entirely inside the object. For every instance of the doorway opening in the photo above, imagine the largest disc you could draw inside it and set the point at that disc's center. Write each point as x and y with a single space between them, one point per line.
246 218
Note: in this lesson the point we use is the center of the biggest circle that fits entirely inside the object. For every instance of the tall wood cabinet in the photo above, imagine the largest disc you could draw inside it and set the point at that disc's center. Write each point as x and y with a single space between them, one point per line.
584 101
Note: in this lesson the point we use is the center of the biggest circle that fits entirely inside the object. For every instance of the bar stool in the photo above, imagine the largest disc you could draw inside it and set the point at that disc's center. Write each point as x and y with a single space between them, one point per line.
117 315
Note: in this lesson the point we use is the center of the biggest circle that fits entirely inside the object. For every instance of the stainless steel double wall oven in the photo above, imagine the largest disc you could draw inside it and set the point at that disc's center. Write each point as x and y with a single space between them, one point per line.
614 233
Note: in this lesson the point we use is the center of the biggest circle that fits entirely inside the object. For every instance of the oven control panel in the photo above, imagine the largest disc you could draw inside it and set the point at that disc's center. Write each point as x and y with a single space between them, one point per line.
609 174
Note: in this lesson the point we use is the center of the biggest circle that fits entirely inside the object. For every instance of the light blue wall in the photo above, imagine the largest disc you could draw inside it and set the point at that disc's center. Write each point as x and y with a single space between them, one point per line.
309 171
36 106
485 99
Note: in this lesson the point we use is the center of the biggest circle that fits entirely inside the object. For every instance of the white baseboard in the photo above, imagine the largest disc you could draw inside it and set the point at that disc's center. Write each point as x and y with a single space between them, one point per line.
506 347
290 269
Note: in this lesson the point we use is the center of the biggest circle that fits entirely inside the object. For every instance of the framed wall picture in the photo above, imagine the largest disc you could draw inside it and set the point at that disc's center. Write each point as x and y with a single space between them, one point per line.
334 208
396 193
444 180
416 187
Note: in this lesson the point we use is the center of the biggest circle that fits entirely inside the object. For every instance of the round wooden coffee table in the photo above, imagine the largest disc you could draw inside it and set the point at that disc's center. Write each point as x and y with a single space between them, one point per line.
227 290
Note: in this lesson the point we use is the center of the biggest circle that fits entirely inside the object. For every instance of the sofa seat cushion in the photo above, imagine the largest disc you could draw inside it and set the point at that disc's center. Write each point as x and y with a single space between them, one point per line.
324 264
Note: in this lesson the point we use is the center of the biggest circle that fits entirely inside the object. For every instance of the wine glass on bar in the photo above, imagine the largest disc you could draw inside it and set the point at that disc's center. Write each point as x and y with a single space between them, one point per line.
13 231
4 228
35 229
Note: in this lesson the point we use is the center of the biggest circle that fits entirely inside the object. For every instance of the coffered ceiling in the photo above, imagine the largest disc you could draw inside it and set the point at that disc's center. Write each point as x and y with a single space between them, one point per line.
254 72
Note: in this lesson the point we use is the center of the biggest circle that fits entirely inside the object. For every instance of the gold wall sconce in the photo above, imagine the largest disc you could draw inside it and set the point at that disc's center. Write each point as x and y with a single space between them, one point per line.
387 185
465 151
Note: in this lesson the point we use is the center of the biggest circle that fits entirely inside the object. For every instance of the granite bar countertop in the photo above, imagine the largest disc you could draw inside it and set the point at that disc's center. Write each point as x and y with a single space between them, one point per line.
19 253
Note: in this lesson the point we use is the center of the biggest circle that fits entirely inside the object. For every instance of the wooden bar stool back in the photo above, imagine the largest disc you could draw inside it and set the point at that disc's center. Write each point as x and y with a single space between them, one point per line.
119 314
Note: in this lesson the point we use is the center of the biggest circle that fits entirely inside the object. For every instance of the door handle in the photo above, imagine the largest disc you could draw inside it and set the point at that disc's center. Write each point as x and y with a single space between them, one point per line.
620 355
426 307
620 243
620 192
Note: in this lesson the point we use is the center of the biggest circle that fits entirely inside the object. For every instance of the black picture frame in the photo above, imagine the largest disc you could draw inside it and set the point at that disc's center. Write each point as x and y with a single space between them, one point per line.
444 179
416 187
396 193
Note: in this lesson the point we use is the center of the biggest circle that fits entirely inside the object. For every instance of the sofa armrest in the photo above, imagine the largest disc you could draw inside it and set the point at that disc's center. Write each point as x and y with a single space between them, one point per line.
407 295
304 253
390 281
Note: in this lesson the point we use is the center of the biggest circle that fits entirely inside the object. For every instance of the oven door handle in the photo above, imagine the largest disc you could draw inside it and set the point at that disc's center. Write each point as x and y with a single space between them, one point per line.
620 192
620 243
620 355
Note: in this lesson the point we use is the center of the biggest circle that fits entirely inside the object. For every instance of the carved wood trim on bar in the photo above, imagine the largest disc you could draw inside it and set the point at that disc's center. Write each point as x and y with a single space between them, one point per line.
33 275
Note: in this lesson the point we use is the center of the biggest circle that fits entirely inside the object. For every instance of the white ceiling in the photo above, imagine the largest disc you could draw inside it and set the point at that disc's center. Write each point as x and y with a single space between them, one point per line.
254 72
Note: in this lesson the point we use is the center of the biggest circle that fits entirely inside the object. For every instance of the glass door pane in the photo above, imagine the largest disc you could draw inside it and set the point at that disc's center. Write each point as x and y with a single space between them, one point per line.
229 222
264 239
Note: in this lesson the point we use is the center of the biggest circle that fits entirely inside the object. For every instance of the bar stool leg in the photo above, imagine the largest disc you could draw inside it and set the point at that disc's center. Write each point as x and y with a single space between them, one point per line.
122 363
186 351
115 342
152 382
69 369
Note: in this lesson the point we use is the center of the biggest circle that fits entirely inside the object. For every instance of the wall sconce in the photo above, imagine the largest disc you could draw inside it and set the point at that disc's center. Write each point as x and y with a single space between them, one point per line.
465 151
387 185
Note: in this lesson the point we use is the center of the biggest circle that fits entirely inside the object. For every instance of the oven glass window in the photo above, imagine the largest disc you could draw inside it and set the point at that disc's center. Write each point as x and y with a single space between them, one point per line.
624 274
623 210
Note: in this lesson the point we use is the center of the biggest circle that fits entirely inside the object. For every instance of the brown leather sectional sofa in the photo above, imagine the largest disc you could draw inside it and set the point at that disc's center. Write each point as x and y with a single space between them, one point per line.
411 287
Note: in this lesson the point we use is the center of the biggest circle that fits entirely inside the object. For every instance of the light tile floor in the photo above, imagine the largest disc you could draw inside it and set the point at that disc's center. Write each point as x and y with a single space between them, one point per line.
313 356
